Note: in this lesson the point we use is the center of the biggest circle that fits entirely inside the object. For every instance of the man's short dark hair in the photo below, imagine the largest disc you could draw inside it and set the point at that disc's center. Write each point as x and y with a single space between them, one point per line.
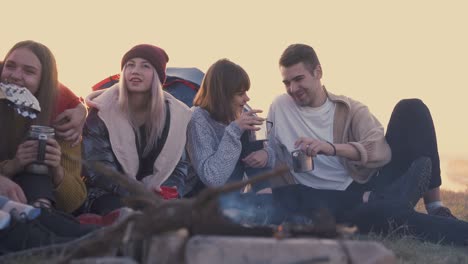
297 53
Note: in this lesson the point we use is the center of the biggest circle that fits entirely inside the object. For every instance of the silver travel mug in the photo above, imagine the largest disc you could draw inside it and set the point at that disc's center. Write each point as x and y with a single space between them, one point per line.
40 133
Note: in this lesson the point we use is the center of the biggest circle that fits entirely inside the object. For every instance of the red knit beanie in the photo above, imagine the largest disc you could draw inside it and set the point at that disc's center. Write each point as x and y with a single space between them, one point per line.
154 55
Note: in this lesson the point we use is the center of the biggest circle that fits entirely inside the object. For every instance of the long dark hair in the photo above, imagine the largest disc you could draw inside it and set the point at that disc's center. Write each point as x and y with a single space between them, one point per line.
221 82
16 126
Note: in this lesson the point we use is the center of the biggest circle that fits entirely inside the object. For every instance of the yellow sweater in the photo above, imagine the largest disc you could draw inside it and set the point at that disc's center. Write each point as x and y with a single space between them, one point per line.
71 192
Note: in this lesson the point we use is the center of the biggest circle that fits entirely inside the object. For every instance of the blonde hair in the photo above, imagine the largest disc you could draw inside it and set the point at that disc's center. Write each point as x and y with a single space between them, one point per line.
156 114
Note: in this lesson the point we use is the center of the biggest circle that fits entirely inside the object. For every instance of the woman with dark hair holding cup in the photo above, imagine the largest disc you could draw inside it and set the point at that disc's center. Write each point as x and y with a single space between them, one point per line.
218 133
46 167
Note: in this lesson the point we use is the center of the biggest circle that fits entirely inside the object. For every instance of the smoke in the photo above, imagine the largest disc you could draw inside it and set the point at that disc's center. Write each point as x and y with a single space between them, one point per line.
250 209
247 209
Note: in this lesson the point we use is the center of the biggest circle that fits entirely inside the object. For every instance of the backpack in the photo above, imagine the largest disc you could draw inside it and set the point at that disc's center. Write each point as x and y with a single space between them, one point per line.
182 83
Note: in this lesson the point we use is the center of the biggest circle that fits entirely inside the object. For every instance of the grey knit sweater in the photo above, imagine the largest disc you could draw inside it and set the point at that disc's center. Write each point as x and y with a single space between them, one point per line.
214 149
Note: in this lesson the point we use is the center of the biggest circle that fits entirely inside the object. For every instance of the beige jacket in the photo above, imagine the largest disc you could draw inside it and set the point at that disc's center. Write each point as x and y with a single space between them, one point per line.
354 124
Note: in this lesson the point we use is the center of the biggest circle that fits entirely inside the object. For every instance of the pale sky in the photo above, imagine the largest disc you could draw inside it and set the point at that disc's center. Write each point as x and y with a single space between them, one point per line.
374 51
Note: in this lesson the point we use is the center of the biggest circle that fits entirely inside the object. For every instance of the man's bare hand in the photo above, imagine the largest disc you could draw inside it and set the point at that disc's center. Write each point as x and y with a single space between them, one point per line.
313 147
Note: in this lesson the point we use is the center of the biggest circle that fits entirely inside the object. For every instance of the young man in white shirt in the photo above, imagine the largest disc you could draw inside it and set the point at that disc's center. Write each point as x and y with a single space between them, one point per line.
355 161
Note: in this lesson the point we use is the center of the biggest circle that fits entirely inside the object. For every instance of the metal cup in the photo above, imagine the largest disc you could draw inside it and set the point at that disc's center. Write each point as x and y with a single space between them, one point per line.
301 162
40 133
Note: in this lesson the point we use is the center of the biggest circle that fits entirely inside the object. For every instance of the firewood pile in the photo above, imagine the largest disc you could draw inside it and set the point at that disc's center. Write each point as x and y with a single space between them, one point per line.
155 217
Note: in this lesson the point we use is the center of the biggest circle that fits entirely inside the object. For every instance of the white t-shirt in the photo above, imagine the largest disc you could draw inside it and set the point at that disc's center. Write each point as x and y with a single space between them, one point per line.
291 122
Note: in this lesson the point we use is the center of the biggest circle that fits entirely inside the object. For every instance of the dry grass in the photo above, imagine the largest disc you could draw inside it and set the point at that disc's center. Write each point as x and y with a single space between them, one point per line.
456 201
411 251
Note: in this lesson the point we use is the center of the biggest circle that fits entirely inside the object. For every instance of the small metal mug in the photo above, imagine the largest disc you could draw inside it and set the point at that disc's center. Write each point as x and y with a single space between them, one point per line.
301 162
40 133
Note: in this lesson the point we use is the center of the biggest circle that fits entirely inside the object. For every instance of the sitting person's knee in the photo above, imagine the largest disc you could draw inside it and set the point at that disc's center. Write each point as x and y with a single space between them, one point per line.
410 104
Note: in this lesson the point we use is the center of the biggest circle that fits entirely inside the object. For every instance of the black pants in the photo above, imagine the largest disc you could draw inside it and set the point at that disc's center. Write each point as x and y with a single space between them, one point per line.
410 134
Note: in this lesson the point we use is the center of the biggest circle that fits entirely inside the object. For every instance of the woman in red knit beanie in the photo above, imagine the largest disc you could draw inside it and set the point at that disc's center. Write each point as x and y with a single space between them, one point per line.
137 129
